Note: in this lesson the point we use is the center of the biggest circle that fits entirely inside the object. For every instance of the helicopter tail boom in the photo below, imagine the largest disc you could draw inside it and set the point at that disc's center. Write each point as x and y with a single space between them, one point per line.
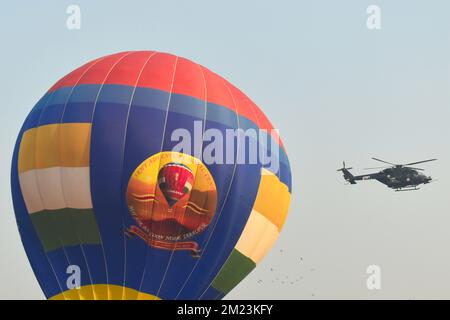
347 174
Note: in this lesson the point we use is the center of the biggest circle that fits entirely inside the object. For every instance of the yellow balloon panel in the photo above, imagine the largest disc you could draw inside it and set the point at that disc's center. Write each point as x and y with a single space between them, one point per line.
103 292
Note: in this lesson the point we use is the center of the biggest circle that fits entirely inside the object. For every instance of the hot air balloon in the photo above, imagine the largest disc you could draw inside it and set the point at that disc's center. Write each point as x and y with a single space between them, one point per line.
109 206
175 181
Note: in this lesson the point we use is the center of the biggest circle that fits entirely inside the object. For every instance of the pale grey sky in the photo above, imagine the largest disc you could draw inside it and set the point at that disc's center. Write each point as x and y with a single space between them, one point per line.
335 90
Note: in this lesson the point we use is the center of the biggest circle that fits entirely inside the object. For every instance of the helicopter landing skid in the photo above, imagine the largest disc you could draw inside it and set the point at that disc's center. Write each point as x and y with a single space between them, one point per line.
406 189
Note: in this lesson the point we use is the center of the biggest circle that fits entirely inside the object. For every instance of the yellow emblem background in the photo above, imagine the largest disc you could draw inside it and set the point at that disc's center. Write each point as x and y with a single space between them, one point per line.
148 206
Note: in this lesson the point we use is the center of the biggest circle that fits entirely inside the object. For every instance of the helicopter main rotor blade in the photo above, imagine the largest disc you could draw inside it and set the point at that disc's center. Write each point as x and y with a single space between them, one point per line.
375 168
393 164
415 168
410 164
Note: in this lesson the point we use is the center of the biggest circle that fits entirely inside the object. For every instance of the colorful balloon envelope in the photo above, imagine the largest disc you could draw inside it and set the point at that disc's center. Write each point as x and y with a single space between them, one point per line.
110 206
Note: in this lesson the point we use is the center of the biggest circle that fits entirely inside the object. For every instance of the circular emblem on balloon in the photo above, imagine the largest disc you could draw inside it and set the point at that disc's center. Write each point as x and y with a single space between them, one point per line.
172 197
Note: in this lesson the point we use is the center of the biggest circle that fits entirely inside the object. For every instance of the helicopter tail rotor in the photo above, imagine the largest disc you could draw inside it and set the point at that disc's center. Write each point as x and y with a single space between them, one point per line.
347 174
343 167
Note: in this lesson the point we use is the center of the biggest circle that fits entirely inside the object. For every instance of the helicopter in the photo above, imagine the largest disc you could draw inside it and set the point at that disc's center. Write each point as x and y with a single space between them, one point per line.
400 177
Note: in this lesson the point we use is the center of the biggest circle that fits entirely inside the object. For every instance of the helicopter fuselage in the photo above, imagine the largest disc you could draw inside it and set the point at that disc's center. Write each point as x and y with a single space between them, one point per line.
397 178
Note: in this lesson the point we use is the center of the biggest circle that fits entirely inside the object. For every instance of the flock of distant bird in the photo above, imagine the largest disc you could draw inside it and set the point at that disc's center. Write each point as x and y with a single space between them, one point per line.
286 280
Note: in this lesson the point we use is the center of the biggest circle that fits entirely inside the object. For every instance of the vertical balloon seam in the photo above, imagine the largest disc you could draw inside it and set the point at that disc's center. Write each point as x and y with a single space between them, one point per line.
76 85
258 123
34 151
62 187
151 54
143 270
120 58
54 218
225 199
93 211
261 235
229 260
231 253
263 232
231 180
39 125
172 251
32 262
120 213
58 84
231 266
263 203
103 287
203 130
259 126
196 167
98 230
255 114
113 296
159 164
70 217
19 148
219 214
